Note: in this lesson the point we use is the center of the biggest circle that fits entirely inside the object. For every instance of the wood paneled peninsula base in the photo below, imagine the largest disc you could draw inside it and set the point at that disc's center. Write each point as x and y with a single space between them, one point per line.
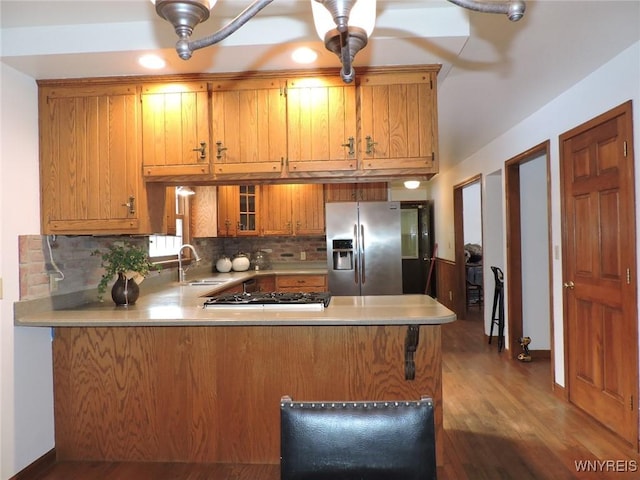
211 394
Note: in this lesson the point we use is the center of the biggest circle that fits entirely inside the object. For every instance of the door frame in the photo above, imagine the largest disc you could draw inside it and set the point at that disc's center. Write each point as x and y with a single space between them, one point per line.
513 274
460 301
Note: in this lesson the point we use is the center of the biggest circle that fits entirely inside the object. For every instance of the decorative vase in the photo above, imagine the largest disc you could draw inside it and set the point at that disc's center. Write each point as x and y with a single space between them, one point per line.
125 291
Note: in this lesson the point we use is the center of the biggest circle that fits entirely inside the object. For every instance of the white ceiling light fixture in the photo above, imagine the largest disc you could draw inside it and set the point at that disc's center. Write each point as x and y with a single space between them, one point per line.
185 191
151 61
344 25
411 184
304 55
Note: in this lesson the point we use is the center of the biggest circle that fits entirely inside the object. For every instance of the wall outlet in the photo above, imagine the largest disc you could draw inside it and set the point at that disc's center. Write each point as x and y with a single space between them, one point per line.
303 255
53 283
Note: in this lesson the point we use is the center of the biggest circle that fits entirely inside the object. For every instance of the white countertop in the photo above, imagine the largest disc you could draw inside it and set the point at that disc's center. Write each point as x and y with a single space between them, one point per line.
175 304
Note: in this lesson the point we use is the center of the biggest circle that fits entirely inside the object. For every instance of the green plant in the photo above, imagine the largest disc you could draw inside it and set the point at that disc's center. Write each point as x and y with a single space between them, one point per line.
123 258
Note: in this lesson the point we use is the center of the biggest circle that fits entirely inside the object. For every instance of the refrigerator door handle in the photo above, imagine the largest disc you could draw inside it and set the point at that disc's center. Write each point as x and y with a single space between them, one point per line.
355 250
362 266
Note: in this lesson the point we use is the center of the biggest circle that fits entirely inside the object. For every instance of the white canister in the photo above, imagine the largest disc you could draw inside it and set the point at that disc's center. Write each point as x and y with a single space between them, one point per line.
240 262
224 265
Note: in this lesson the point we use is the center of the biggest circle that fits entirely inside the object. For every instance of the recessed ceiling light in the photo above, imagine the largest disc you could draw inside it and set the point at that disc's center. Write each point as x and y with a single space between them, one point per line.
152 61
304 55
411 184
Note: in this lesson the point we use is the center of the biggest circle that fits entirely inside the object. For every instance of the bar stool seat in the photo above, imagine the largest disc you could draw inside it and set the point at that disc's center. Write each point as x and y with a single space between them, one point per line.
392 440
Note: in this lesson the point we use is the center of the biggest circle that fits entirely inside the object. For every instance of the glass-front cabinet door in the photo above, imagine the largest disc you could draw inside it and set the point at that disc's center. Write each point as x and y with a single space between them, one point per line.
248 220
237 210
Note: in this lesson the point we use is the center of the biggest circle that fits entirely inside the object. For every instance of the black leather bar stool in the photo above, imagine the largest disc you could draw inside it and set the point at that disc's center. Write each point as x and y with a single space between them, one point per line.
392 440
498 307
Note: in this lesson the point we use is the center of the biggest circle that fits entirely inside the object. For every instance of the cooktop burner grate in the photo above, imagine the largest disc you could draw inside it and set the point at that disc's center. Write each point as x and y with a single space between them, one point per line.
311 300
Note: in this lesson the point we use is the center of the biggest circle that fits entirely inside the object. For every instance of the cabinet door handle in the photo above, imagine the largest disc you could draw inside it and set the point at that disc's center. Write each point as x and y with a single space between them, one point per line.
350 144
131 205
203 150
220 149
370 145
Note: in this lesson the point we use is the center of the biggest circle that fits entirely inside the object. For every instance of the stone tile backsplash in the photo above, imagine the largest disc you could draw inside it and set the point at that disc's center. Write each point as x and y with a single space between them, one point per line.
42 258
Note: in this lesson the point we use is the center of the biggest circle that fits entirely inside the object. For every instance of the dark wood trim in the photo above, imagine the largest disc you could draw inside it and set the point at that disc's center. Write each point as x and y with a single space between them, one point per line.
445 282
560 392
460 301
513 274
546 354
35 469
245 75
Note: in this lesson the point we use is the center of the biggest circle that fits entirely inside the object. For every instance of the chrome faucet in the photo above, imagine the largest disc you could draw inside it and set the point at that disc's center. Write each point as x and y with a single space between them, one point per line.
181 271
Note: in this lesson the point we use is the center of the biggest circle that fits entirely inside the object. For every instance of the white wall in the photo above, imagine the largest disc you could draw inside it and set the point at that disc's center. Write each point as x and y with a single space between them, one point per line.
534 230
611 85
493 250
472 213
26 385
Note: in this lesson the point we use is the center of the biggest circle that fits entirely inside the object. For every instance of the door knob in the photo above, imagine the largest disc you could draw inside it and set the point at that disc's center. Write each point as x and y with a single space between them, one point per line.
570 285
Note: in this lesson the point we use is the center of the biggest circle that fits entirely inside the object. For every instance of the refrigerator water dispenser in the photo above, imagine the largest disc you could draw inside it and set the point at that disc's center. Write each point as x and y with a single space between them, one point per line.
343 254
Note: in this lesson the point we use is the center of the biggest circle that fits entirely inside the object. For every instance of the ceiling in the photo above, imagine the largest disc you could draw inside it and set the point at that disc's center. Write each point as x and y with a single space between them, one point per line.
494 72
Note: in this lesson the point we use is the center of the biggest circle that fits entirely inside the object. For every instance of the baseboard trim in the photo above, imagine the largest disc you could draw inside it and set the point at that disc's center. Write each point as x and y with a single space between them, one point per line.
37 467
560 392
545 354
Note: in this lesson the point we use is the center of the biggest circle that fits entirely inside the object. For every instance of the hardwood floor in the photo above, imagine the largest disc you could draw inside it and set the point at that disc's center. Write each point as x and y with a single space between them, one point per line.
501 419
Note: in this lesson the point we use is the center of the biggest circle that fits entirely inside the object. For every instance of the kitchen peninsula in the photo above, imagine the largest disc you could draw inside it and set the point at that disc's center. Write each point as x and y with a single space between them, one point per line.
167 380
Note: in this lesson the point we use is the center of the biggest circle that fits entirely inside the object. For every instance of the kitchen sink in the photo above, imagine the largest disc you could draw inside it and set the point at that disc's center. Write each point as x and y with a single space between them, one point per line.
207 282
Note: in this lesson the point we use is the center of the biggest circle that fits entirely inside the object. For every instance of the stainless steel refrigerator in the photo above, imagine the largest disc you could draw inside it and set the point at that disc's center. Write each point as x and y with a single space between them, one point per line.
364 255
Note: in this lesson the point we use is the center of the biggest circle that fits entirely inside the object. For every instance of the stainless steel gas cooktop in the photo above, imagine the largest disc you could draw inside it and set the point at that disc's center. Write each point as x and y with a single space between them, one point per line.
271 300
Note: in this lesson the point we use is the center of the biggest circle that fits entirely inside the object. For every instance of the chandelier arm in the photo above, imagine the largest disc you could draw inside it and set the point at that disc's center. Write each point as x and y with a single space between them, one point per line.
231 27
513 9
346 72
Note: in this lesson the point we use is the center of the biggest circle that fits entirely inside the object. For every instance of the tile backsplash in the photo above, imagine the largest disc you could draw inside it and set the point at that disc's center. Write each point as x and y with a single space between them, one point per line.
56 265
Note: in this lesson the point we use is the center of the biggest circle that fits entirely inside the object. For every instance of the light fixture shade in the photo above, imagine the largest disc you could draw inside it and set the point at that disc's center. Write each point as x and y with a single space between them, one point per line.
185 191
411 184
363 15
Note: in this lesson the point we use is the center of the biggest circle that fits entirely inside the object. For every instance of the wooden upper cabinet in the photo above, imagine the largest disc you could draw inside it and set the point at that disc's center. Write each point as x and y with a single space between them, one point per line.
292 209
228 215
175 130
238 213
321 126
307 210
275 213
90 160
356 192
203 212
399 122
248 128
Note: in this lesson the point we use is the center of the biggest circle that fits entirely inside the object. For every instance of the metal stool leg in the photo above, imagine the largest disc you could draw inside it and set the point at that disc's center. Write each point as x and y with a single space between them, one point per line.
498 304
